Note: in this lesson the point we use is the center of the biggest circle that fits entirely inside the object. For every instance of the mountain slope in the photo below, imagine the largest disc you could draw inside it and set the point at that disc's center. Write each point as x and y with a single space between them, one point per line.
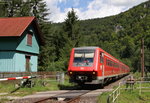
120 35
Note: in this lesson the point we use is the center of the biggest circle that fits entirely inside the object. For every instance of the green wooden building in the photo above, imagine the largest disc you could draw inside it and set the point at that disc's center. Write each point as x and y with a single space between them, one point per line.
20 38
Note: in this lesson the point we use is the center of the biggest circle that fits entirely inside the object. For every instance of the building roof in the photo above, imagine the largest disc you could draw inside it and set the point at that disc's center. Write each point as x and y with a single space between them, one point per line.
15 26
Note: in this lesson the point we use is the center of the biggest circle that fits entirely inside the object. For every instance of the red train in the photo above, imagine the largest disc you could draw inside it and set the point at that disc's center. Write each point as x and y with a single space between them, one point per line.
93 65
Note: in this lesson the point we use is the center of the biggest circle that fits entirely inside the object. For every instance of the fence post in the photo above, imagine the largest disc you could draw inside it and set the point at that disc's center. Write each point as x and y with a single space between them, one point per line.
58 76
62 78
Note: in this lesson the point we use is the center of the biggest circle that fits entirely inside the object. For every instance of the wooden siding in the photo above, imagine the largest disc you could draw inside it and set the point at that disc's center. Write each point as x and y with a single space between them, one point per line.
21 62
8 43
20 43
34 63
15 62
22 46
7 61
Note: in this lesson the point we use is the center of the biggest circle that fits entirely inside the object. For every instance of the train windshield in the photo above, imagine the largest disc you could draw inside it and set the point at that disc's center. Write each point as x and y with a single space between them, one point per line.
83 58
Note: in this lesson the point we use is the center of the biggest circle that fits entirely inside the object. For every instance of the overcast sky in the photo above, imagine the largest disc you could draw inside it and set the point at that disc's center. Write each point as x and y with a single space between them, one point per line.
87 9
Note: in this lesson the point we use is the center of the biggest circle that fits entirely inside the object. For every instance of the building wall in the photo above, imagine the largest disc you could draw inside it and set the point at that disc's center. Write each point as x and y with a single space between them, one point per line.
34 63
22 45
7 61
16 62
21 63
8 43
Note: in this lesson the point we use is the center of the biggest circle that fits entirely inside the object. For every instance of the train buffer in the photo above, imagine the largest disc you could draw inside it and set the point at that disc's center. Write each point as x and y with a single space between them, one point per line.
130 83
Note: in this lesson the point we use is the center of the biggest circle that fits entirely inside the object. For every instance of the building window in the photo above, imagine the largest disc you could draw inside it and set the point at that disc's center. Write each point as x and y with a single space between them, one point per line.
27 63
29 39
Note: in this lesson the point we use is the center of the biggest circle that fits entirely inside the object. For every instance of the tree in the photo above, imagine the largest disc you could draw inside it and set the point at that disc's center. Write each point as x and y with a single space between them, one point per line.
70 37
3 8
71 25
15 8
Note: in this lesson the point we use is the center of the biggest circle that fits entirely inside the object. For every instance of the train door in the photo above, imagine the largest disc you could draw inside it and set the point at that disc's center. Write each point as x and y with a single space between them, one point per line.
102 62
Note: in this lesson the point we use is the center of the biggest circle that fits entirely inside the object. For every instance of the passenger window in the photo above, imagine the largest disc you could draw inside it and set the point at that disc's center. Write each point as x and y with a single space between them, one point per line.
101 57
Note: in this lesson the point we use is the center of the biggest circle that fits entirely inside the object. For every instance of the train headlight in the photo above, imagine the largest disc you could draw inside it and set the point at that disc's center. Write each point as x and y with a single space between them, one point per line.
94 73
70 72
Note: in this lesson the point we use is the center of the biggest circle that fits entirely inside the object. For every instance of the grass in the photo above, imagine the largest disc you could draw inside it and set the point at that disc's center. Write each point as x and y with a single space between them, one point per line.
134 97
3 100
103 97
50 84
130 96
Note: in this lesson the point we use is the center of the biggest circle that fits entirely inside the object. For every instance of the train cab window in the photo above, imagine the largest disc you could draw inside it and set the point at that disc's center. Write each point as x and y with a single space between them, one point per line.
101 57
83 58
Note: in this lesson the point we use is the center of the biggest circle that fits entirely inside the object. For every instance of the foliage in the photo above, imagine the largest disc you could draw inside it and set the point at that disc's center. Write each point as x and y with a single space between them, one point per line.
103 97
119 35
134 97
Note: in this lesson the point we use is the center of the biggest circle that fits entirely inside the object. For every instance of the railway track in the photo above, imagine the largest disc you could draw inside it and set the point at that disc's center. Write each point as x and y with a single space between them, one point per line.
75 96
67 96
72 96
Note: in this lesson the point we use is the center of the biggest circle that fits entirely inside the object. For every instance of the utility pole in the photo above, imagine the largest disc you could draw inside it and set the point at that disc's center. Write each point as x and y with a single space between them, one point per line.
142 57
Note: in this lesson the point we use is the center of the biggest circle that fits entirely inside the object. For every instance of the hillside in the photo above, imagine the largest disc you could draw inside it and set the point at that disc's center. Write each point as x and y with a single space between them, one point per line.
120 35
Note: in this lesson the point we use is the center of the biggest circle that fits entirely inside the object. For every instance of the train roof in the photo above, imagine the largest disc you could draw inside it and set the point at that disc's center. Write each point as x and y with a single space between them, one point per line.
95 47
88 47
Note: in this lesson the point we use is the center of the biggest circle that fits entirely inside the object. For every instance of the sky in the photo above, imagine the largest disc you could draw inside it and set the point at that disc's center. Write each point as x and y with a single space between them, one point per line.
88 9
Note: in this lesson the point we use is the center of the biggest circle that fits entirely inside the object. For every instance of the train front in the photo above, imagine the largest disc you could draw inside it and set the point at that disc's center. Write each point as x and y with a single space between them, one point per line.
83 65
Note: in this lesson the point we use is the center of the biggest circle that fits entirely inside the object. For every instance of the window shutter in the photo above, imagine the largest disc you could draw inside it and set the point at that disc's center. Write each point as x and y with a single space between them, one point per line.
29 39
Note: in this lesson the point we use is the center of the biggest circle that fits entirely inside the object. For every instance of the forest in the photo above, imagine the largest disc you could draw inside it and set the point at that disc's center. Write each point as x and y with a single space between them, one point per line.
120 35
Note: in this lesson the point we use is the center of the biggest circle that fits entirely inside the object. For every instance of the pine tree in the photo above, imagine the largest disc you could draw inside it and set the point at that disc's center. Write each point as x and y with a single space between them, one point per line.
16 8
71 25
3 8
70 37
